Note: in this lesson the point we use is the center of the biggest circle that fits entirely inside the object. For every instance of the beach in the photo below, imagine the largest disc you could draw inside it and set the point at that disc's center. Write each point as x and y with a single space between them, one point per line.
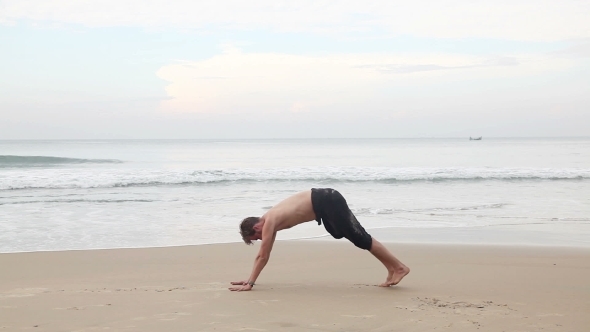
142 143
142 235
307 286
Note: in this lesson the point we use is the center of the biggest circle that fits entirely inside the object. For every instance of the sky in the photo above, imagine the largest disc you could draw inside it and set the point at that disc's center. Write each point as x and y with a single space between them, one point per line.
228 69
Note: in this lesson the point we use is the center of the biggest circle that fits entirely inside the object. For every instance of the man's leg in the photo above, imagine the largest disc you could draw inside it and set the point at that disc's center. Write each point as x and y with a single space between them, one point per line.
395 268
345 221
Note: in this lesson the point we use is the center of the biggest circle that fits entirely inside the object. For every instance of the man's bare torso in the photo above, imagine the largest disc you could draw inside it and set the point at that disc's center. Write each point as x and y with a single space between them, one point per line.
292 211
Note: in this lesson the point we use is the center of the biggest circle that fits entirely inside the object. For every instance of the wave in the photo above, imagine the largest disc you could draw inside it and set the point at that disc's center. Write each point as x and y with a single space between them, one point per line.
40 161
81 201
317 176
378 211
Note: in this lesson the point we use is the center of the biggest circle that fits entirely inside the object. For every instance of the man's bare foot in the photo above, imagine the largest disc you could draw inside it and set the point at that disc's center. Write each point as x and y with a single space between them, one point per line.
395 276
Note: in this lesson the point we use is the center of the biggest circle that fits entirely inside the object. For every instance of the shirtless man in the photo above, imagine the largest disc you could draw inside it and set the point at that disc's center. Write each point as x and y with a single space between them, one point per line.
323 205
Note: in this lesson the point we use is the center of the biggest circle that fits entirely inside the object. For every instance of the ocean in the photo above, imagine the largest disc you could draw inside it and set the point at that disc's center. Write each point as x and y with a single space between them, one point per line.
94 194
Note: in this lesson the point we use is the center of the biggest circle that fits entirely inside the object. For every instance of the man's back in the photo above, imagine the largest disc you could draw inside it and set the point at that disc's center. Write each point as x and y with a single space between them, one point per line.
292 211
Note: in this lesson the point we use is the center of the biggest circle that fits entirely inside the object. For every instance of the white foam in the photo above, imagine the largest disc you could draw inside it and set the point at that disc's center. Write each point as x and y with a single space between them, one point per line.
125 177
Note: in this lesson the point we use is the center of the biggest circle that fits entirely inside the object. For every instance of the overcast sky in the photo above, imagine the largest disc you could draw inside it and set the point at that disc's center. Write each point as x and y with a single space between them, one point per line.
290 69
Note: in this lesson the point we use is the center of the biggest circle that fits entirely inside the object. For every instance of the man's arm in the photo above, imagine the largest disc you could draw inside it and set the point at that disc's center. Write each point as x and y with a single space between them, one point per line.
268 239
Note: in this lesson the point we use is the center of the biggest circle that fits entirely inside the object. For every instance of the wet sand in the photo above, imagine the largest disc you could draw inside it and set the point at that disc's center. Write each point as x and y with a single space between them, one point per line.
306 286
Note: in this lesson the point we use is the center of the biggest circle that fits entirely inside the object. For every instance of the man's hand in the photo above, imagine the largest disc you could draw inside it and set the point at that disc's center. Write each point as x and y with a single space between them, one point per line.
243 286
243 282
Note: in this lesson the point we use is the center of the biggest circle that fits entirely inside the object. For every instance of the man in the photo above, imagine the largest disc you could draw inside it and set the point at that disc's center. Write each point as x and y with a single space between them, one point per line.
323 205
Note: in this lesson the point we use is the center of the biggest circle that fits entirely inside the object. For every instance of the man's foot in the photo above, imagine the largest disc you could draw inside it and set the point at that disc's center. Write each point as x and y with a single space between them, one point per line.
395 276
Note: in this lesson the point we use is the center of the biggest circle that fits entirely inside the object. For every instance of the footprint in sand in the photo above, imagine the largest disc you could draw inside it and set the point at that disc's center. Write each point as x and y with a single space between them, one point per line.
550 315
223 315
24 292
464 307
171 316
83 307
264 302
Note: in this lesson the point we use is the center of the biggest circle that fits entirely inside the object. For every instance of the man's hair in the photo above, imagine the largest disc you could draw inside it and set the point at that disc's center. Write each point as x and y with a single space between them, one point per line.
247 228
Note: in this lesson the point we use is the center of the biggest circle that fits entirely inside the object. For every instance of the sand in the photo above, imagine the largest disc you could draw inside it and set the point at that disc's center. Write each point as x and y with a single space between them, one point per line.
307 286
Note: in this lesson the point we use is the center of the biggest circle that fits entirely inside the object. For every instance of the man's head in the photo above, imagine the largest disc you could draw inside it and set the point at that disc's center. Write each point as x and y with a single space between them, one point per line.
248 231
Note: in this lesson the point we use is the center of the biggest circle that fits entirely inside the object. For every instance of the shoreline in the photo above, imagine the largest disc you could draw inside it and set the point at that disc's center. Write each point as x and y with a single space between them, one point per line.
475 235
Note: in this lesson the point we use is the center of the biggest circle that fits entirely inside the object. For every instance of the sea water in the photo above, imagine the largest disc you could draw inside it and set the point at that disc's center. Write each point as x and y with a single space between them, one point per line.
65 195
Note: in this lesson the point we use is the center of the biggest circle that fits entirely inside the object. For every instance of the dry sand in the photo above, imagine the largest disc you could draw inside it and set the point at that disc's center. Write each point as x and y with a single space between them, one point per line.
307 286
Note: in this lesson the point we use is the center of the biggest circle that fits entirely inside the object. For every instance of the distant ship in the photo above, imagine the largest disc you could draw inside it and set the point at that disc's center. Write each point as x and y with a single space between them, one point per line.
475 139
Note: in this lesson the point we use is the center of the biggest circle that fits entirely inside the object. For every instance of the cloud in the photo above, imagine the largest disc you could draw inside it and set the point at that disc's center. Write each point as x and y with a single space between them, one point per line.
237 82
413 68
580 49
539 20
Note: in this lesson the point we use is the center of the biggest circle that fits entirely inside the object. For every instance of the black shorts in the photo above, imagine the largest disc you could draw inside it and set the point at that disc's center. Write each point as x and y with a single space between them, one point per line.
331 208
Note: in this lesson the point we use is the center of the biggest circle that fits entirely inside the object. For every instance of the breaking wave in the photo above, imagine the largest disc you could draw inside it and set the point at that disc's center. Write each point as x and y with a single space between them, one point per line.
113 178
41 161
